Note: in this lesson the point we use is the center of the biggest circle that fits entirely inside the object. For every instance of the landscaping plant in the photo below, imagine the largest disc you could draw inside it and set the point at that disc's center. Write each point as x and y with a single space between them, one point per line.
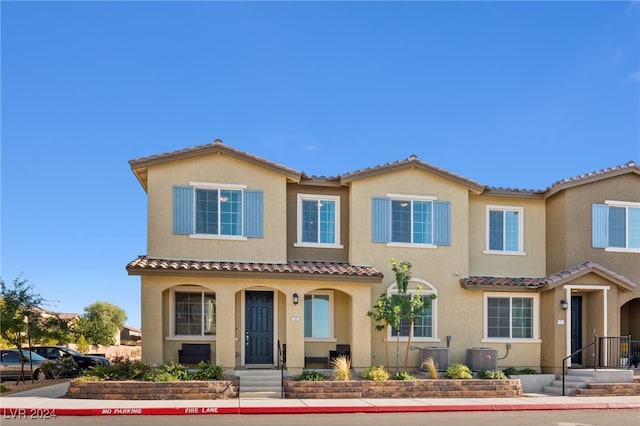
492 374
458 371
341 368
378 373
431 366
312 376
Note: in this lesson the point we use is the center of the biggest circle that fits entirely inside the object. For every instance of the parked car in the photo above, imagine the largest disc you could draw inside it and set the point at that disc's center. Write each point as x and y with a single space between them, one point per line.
58 352
10 365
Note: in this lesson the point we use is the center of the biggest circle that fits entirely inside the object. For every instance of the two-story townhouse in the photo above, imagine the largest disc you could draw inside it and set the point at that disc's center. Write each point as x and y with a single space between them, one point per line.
248 256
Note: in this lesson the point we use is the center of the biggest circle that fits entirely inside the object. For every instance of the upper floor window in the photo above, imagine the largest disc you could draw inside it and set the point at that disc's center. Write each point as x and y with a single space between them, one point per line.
318 220
509 316
505 226
412 220
194 312
616 226
217 211
424 325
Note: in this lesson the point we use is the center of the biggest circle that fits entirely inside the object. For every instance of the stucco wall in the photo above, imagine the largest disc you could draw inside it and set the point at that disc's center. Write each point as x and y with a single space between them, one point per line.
317 254
531 264
215 168
578 228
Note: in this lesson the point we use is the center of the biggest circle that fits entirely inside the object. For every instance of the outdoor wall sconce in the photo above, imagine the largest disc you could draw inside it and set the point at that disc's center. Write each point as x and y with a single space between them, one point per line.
564 305
296 299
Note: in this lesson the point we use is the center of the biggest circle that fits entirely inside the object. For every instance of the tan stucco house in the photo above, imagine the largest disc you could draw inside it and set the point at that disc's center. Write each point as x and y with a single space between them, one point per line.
250 257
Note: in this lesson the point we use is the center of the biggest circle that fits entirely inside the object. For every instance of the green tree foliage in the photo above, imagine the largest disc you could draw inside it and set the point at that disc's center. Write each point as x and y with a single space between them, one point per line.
390 311
100 323
23 321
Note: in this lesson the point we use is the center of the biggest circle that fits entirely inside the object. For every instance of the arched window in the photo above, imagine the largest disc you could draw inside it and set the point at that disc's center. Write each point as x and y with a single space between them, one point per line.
425 326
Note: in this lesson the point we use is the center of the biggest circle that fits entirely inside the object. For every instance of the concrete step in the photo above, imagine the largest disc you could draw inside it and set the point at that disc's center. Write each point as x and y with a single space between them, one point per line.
258 384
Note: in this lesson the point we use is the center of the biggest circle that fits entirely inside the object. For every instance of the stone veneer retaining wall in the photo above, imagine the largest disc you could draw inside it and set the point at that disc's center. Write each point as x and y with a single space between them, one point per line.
139 390
471 388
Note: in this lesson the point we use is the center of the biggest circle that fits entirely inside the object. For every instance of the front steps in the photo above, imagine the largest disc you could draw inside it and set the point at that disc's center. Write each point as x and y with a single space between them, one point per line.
260 384
578 380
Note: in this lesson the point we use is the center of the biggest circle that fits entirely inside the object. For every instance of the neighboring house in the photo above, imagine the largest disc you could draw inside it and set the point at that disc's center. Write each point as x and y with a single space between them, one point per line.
248 256
130 336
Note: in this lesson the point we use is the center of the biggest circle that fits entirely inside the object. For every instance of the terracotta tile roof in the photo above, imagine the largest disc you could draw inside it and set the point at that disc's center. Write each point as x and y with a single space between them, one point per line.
143 264
412 161
139 165
487 282
551 281
592 176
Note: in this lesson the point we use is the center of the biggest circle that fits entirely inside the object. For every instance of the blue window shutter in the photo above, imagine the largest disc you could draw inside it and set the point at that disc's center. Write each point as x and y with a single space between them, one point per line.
182 210
442 223
600 225
252 209
380 220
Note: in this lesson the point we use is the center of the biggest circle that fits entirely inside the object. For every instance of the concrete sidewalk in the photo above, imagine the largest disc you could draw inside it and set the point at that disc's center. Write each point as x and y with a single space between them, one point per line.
48 400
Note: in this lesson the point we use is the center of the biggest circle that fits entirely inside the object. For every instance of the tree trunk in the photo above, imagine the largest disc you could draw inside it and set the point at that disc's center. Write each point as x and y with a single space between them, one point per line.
406 354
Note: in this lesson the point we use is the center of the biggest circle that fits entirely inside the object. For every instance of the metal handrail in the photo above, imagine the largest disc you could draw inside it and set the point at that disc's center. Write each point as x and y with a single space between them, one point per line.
281 362
564 360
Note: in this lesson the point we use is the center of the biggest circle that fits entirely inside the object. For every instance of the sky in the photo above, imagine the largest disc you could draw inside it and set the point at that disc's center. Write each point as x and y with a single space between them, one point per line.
509 94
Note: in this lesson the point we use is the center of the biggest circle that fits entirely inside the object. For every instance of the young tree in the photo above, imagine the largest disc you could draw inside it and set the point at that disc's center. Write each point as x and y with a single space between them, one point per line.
21 318
100 322
391 311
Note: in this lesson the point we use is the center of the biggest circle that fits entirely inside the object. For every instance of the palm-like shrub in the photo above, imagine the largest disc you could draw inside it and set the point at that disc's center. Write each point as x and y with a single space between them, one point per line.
431 366
341 368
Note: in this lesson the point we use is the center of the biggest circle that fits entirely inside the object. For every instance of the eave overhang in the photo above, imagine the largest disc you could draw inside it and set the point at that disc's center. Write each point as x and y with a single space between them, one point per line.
140 166
299 270
546 283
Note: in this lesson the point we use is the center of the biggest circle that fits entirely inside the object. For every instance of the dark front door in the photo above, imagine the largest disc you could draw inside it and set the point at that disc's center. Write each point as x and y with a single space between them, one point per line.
258 327
576 328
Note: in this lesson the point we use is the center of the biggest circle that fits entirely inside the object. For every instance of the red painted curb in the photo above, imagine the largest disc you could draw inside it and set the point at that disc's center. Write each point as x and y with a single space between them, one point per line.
48 413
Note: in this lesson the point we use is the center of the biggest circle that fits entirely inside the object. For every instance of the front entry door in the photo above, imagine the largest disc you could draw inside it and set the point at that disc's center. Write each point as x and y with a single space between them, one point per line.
576 328
259 327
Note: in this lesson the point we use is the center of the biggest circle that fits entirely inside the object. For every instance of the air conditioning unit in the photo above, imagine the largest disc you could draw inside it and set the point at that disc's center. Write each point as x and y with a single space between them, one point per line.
439 354
479 359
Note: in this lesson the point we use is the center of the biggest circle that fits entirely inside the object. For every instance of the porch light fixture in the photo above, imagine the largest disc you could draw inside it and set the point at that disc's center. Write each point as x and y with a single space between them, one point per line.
564 305
296 299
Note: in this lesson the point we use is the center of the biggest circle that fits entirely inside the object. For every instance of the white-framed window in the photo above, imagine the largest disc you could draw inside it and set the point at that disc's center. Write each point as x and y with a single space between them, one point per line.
616 226
510 316
318 221
424 326
505 230
411 220
318 315
192 312
217 211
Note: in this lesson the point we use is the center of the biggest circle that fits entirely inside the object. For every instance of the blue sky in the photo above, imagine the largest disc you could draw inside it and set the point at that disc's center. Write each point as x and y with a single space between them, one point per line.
510 94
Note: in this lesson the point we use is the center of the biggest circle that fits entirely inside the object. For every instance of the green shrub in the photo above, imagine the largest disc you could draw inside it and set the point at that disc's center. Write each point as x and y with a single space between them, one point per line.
208 371
512 371
61 367
492 374
378 373
167 372
403 375
458 371
311 375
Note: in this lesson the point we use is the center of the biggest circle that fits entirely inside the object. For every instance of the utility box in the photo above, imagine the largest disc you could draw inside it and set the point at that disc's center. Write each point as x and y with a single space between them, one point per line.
479 359
439 354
